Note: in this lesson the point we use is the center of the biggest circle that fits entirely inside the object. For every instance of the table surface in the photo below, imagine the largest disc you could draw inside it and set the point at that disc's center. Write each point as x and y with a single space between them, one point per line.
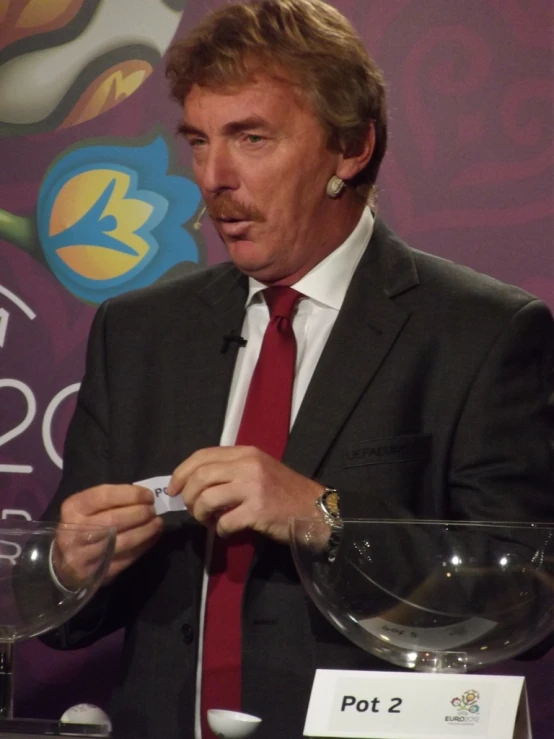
32 728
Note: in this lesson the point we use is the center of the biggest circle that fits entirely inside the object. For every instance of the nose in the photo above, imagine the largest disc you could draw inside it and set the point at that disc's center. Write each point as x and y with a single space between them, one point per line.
216 172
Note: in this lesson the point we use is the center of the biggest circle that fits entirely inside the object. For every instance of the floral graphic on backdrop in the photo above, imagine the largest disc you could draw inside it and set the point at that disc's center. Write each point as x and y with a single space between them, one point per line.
64 62
29 17
110 218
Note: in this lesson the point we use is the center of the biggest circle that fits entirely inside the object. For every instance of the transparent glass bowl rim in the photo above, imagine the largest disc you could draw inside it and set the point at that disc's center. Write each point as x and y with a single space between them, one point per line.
538 525
30 526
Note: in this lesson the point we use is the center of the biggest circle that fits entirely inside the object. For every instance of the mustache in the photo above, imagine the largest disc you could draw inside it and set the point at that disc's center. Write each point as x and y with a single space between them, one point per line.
225 206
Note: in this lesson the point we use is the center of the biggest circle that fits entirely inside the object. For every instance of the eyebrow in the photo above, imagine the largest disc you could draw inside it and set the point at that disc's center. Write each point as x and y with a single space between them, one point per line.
229 129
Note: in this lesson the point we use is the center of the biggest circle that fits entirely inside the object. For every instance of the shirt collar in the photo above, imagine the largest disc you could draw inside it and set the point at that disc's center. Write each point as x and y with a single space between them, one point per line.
328 281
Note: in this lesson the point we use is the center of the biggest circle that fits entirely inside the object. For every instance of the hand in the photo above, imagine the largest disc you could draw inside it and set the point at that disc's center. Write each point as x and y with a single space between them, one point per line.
128 508
240 487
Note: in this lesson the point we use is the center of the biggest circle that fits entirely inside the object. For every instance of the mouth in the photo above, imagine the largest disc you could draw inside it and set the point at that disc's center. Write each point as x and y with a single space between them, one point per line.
233 226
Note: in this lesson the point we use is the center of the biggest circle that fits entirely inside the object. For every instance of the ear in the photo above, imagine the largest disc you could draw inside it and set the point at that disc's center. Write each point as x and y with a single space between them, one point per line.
349 166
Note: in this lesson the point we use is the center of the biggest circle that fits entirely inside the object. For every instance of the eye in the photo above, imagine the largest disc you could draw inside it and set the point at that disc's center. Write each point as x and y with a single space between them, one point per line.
253 138
195 142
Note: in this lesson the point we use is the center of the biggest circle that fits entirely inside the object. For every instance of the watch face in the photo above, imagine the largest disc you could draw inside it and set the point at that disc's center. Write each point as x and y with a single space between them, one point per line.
331 502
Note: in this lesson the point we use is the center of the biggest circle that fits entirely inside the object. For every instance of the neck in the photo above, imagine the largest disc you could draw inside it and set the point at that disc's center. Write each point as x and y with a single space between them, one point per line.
343 215
350 207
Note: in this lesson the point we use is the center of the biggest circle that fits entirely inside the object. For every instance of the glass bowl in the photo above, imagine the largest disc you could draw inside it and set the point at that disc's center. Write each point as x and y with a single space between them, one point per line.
432 596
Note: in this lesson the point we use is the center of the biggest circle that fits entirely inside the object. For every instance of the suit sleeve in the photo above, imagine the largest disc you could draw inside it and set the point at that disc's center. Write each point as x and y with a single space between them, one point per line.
86 448
502 460
501 466
503 455
86 464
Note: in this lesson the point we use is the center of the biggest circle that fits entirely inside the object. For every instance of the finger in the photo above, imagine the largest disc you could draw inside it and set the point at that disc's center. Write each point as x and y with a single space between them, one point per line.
182 473
124 558
103 497
214 501
123 519
73 567
203 457
137 536
208 477
78 551
233 521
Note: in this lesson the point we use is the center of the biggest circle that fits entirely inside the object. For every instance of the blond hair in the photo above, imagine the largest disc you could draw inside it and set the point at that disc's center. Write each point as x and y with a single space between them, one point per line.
314 45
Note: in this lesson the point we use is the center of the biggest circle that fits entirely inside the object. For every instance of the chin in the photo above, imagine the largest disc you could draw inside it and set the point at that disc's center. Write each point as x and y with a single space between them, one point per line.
249 258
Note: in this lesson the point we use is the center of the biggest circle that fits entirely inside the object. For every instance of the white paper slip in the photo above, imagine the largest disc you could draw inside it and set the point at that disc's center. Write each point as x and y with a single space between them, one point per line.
163 503
442 638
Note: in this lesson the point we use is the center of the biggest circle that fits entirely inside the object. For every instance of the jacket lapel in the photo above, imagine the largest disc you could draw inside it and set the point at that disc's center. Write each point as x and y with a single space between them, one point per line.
204 365
368 325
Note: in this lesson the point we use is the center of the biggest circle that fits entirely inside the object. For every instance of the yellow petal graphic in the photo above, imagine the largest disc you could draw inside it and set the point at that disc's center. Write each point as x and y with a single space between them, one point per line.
97 262
111 88
75 199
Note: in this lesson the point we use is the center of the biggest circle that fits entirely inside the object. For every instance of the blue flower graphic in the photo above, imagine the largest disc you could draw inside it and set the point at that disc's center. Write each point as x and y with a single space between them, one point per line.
110 218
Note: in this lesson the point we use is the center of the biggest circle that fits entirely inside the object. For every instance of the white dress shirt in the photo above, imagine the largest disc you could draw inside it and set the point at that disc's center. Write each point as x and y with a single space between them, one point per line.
324 288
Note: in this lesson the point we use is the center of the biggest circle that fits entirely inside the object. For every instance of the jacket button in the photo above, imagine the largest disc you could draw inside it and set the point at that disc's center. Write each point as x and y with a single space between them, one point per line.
187 632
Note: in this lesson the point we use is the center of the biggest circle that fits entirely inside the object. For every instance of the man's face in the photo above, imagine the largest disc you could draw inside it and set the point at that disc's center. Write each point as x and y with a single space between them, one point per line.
261 161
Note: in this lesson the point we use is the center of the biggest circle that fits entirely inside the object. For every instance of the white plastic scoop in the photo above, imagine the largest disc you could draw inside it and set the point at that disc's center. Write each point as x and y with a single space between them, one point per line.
231 724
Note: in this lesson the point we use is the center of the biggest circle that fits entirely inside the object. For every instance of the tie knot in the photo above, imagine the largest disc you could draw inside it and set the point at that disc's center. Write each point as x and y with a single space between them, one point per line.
281 300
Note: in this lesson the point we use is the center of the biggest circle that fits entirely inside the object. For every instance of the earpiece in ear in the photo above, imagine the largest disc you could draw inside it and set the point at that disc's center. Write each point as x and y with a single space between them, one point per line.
335 186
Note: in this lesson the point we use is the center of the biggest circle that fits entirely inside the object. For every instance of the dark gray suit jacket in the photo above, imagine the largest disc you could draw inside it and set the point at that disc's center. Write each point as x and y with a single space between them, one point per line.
430 400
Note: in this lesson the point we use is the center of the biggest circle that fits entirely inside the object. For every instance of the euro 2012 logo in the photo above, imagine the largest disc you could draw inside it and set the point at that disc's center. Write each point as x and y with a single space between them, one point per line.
469 702
467 706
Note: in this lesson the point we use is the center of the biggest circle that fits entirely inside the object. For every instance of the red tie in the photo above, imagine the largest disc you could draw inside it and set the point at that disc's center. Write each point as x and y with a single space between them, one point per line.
265 424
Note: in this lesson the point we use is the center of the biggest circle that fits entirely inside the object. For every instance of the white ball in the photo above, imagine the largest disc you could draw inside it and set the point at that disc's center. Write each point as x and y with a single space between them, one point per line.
86 713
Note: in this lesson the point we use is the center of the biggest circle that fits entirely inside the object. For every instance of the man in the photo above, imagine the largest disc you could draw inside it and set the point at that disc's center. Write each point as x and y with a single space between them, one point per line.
421 388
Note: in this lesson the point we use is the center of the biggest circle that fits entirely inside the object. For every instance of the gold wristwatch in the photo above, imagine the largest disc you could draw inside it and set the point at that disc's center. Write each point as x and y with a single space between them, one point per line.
328 503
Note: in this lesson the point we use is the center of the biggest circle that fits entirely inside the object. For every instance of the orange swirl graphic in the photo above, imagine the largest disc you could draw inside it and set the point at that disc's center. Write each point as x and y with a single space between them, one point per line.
22 18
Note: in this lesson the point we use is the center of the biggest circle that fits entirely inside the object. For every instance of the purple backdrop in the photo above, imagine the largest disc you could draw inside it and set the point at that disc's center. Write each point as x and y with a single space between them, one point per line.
468 176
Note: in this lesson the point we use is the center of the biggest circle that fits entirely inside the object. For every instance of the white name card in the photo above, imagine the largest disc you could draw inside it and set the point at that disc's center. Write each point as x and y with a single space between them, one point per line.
399 705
